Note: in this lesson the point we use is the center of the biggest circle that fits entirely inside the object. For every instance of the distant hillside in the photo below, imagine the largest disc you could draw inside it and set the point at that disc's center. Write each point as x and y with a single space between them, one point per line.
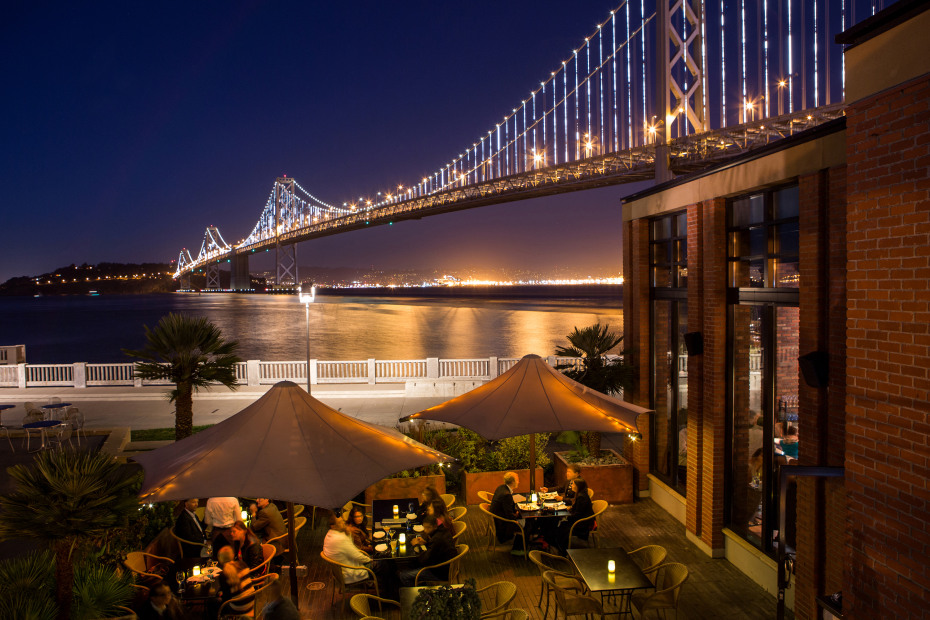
104 278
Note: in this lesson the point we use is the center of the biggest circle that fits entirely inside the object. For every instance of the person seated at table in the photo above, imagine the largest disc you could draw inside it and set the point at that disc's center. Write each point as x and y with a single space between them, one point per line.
437 508
267 523
503 506
161 605
279 607
244 544
338 546
234 581
580 509
564 491
426 496
189 527
789 443
439 548
357 529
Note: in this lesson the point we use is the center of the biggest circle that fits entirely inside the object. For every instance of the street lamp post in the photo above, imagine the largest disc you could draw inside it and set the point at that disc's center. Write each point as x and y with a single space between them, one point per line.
307 299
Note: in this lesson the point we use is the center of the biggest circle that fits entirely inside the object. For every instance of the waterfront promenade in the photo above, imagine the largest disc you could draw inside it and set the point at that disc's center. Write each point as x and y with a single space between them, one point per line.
148 407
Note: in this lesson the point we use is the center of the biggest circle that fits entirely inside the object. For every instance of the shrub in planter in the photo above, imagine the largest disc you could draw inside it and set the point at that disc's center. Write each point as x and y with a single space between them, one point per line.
446 603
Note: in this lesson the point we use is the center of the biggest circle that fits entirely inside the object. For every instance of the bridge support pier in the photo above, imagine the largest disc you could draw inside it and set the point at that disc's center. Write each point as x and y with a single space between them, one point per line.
213 276
184 281
239 273
286 261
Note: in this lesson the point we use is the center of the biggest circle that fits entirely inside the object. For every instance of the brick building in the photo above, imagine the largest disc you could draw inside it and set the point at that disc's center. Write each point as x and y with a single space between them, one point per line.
816 248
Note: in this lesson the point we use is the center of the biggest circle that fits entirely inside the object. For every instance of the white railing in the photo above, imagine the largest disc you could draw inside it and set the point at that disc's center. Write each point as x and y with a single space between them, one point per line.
256 372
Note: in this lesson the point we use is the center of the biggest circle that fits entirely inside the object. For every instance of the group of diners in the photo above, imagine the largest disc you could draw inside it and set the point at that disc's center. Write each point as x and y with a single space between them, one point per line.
236 548
350 542
547 533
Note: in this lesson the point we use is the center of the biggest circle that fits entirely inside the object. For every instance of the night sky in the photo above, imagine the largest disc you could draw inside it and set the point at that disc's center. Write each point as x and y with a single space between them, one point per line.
129 127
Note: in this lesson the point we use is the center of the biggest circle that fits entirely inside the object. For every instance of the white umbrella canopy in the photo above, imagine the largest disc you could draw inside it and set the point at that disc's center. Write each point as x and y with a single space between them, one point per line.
287 445
533 397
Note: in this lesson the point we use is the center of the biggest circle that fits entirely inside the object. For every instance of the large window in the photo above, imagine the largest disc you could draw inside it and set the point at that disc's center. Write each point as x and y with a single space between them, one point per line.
763 323
669 371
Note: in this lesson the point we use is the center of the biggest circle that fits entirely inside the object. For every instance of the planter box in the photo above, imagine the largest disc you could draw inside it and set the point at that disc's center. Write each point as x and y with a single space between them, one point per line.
490 480
402 488
613 483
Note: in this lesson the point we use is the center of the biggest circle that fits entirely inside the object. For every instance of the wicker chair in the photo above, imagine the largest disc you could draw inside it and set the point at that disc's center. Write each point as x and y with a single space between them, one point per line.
501 595
267 555
458 512
339 580
361 604
563 571
648 559
458 528
460 551
599 506
569 600
448 498
668 590
138 563
181 542
507 614
492 534
258 585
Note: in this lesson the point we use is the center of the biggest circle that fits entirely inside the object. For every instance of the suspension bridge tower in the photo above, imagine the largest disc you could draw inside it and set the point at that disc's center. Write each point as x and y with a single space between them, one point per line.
285 253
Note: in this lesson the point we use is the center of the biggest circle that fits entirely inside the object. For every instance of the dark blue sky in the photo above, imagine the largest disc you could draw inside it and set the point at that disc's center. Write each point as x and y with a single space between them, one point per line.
128 127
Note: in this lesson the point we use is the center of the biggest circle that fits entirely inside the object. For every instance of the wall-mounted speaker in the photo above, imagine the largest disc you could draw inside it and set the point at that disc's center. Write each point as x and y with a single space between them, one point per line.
694 342
815 368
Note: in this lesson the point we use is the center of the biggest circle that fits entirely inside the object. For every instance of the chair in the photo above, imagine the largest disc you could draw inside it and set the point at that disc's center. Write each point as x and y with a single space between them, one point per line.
34 415
486 496
599 506
570 600
138 562
563 571
458 528
648 559
460 551
458 512
501 595
246 597
350 504
668 590
75 419
448 498
360 604
340 584
267 555
492 534
182 541
507 614
63 434
590 493
299 522
298 510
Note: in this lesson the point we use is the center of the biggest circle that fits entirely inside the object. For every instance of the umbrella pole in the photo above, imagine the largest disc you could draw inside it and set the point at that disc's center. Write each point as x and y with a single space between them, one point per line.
292 553
532 462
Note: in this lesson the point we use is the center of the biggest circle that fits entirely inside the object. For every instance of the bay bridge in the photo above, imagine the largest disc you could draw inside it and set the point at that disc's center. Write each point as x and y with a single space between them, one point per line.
657 89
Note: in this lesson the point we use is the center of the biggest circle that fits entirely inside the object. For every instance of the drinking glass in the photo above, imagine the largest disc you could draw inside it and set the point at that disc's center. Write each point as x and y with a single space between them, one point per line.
180 576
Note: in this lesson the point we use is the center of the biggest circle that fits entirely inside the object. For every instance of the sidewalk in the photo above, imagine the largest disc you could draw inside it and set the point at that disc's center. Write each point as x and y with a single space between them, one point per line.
148 407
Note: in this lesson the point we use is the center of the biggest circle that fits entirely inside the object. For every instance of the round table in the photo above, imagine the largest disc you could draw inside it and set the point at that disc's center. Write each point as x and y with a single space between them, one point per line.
42 426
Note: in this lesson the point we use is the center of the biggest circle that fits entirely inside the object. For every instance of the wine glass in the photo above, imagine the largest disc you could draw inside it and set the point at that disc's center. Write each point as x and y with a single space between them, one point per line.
180 576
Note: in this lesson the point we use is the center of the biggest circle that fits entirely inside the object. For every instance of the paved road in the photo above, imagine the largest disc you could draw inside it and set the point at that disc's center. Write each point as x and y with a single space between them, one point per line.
148 407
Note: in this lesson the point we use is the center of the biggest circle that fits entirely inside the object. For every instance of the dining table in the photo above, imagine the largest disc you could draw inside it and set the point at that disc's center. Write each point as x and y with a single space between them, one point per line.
54 407
592 564
42 426
387 545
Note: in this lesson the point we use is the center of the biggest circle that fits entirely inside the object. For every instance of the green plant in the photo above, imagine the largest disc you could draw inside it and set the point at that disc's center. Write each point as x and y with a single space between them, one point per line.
29 574
161 434
579 451
65 497
191 353
447 603
98 590
514 453
592 344
141 527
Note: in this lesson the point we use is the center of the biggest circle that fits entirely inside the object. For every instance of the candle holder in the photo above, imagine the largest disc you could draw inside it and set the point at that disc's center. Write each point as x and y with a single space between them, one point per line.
402 538
611 566
396 511
244 515
196 571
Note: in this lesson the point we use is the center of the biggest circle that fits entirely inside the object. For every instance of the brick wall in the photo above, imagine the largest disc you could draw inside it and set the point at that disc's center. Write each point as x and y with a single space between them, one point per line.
888 354
695 368
636 333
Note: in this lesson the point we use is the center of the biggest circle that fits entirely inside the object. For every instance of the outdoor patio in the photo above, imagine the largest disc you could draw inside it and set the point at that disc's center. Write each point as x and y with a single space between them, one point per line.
714 589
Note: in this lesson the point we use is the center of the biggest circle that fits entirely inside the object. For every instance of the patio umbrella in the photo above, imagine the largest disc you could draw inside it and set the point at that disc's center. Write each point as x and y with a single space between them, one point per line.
286 445
533 397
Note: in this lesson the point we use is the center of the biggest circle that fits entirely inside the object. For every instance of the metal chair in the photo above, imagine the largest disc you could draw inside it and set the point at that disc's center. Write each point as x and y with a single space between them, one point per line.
570 600
668 590
492 533
458 528
361 604
599 506
75 419
460 551
448 498
563 569
458 512
249 595
340 584
34 415
507 614
501 595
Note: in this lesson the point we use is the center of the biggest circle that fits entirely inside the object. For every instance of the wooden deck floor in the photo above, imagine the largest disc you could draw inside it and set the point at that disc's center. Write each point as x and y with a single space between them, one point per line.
715 588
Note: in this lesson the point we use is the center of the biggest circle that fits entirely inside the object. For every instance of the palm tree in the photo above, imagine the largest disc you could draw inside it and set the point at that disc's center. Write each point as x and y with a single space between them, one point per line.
63 497
592 344
191 353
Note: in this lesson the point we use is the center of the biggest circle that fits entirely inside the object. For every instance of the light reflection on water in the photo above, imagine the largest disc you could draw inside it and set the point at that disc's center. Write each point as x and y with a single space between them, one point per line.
268 327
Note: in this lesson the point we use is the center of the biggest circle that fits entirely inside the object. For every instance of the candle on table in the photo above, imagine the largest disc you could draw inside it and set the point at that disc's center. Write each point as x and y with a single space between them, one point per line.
196 570
402 538
611 566
245 515
396 511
